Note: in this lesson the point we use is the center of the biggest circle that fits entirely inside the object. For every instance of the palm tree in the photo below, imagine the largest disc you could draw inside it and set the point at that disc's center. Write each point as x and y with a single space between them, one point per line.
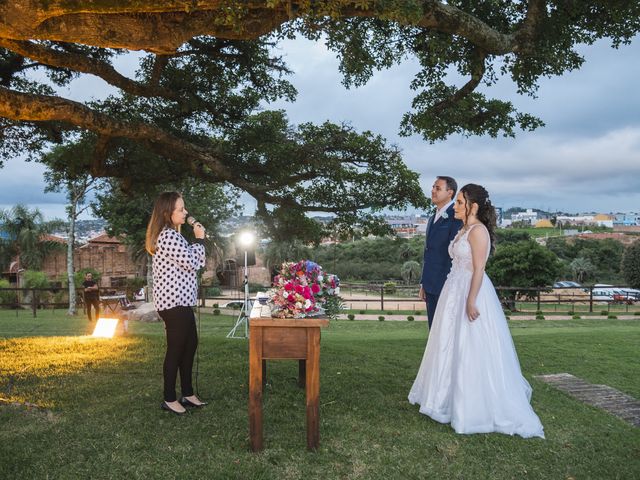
25 236
411 271
581 268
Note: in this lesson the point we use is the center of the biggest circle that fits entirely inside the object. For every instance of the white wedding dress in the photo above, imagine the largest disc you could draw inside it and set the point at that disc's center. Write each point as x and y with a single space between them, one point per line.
470 374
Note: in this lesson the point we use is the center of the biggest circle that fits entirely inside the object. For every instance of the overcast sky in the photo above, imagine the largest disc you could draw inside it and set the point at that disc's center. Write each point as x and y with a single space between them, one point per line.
587 158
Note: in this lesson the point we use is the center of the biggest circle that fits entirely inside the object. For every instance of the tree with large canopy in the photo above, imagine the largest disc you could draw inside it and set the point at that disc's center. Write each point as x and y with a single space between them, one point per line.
192 110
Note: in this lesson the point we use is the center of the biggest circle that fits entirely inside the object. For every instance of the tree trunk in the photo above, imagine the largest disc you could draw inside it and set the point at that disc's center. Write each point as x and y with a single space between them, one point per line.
70 266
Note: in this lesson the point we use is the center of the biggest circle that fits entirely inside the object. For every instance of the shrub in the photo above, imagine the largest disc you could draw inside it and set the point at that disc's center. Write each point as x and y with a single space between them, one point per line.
538 312
33 279
571 313
37 280
389 313
410 318
509 312
351 316
576 317
381 318
216 305
216 311
612 317
389 287
637 313
7 297
604 313
59 298
417 312
539 317
362 312
212 292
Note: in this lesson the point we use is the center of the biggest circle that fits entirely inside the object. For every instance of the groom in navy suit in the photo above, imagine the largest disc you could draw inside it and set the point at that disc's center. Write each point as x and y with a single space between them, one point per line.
441 229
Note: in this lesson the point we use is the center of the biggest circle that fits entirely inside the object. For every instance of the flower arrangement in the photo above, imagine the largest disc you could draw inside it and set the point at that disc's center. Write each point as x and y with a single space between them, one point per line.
302 289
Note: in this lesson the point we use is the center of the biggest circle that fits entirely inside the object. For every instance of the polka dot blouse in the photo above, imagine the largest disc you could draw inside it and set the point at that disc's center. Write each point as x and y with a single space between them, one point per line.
175 265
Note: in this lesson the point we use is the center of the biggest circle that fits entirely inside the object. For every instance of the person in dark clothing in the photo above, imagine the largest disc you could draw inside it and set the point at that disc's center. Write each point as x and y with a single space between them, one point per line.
91 295
441 230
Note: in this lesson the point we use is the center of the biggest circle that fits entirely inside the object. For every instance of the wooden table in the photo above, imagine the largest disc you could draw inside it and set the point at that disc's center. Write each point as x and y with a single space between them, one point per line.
277 339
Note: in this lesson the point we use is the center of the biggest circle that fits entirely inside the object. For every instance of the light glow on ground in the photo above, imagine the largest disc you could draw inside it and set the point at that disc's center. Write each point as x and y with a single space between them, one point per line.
105 327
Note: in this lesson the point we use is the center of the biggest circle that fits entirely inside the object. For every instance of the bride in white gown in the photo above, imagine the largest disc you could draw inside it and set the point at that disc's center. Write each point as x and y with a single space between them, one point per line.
470 374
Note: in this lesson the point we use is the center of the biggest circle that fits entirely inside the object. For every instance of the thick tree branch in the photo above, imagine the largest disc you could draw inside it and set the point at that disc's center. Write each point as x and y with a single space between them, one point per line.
159 64
26 107
445 18
527 33
42 108
477 72
162 27
81 63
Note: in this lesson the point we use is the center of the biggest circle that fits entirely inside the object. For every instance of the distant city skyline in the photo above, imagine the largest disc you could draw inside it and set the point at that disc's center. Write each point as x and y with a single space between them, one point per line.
586 159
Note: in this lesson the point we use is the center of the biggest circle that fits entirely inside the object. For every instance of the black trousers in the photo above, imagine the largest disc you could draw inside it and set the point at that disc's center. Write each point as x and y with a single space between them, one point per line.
182 342
92 302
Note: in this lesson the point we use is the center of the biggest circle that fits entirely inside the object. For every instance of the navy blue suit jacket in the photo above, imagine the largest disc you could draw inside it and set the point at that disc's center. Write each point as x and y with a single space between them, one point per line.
437 263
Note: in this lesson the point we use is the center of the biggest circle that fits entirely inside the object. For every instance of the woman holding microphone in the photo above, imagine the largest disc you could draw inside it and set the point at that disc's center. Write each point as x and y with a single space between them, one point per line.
175 291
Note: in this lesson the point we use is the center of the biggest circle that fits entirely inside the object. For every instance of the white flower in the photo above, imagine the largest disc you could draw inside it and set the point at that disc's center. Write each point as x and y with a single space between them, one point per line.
307 304
320 278
285 294
444 215
298 304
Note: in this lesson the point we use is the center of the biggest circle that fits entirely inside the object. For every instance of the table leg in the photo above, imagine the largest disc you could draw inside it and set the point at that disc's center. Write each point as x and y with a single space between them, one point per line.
302 373
255 389
313 388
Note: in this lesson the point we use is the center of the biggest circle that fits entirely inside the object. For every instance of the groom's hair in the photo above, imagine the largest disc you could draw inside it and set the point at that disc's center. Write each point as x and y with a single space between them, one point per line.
451 184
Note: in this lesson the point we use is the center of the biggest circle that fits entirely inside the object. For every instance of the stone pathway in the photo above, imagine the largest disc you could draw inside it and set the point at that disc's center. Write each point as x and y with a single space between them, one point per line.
602 396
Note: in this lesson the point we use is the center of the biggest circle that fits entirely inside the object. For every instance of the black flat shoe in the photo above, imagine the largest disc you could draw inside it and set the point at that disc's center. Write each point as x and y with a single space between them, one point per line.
189 404
167 408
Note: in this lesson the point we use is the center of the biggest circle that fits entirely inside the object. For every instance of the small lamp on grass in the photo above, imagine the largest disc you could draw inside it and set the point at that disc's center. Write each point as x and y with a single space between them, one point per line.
106 327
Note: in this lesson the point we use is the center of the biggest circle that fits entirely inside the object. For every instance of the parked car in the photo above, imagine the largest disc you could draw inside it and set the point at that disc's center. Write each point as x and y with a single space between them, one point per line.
603 292
235 304
632 293
566 284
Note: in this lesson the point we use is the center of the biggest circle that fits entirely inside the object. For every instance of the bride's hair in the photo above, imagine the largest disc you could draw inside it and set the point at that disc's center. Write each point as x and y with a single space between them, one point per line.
486 212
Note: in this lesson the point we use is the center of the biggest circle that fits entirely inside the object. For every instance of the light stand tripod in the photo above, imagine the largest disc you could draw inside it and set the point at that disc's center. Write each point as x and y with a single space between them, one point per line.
243 318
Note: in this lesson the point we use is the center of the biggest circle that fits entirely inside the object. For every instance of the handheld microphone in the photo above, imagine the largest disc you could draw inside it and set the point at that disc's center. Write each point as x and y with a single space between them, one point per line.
191 221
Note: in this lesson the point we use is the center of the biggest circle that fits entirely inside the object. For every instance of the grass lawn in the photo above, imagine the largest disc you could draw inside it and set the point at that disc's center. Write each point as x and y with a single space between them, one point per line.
92 406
